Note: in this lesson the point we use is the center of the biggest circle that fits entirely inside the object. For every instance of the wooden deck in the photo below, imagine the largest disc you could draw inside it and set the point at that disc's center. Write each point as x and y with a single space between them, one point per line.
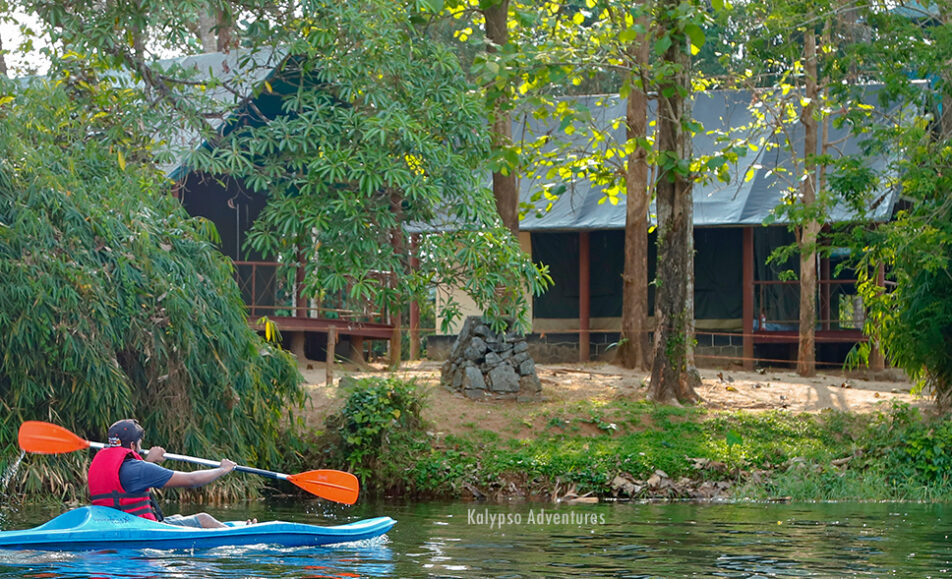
264 296
369 330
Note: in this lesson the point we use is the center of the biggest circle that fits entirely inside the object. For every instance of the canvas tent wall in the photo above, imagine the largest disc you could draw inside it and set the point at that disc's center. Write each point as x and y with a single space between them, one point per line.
722 213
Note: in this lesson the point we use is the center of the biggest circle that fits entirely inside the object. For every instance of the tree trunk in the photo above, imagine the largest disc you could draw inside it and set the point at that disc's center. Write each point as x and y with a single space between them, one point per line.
670 379
206 30
396 309
504 186
215 27
3 61
692 376
226 28
633 349
806 358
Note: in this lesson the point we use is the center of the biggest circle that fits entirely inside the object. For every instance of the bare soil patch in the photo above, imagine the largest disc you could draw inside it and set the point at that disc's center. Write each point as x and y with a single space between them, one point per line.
571 391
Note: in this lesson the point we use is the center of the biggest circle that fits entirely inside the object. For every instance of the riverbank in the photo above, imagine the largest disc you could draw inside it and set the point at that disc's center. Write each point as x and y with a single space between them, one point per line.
567 388
764 435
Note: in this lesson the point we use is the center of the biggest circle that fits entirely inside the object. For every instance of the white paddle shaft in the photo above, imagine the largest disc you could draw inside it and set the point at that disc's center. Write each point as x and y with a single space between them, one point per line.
204 462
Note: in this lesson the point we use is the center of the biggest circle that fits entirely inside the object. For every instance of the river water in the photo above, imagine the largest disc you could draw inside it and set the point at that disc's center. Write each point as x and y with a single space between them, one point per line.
436 539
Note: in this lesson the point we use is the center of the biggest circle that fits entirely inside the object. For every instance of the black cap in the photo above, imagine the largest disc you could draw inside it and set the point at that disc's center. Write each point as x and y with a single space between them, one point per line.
125 432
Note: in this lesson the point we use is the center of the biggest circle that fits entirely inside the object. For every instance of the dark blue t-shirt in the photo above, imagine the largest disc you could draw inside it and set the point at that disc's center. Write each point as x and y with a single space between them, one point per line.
136 476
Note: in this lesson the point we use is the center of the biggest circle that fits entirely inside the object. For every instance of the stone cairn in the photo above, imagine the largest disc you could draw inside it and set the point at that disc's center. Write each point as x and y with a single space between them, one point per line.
483 363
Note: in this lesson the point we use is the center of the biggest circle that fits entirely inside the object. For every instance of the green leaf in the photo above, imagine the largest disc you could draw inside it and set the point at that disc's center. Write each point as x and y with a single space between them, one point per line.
696 36
628 35
733 438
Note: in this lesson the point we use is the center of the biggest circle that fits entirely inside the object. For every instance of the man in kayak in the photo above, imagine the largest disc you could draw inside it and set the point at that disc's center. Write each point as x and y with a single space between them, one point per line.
120 478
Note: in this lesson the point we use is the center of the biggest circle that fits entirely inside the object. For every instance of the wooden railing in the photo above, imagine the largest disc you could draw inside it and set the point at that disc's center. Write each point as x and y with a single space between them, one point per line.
266 294
840 310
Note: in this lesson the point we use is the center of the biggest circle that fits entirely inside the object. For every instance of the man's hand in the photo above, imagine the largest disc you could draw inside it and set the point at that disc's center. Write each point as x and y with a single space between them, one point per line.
227 465
156 454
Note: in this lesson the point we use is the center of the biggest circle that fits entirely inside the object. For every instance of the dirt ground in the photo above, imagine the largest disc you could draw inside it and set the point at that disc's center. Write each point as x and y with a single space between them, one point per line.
570 391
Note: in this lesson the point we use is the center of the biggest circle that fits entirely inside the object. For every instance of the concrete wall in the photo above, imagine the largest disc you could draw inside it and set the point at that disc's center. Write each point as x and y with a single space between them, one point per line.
467 305
712 350
545 348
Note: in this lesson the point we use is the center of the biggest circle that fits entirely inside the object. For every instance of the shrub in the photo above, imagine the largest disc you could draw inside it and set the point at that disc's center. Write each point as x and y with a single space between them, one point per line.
379 430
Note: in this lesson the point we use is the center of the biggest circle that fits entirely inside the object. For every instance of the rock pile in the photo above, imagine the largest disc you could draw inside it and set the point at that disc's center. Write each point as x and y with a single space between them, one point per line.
659 485
483 363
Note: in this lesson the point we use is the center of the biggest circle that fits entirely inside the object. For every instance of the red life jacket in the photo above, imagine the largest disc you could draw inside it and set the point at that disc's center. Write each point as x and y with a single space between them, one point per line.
105 489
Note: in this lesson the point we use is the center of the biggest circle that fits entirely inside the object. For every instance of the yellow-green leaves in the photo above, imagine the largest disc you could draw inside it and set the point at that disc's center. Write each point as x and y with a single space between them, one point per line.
463 34
271 333
612 194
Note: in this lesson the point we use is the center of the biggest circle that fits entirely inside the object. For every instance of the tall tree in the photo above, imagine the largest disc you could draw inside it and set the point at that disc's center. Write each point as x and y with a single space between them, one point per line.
904 264
505 187
809 231
671 379
567 49
791 82
633 350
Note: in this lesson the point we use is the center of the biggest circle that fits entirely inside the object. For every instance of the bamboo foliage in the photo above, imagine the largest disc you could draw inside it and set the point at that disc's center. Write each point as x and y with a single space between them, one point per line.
113 301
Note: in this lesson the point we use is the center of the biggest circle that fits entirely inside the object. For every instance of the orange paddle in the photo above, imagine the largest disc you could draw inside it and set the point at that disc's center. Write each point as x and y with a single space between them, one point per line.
334 485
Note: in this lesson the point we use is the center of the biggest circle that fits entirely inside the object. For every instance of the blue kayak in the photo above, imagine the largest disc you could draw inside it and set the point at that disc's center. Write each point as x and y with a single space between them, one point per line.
90 528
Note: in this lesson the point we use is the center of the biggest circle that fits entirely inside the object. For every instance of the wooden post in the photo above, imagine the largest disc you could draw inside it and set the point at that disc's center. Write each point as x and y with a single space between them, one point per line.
395 345
397 241
357 349
254 290
877 362
298 346
414 306
584 299
301 309
825 307
747 287
414 330
329 363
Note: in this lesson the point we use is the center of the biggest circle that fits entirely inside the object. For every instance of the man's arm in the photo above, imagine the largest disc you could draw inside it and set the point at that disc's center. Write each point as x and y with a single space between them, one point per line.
199 478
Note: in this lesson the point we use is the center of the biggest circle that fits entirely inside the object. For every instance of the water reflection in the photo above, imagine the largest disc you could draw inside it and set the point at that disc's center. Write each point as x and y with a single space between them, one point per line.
629 540
372 558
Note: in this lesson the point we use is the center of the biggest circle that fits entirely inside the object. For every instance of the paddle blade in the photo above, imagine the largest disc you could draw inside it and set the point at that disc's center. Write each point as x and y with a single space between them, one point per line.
46 438
333 485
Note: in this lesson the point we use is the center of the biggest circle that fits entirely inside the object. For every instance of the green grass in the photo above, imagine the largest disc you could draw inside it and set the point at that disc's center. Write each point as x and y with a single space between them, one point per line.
894 455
